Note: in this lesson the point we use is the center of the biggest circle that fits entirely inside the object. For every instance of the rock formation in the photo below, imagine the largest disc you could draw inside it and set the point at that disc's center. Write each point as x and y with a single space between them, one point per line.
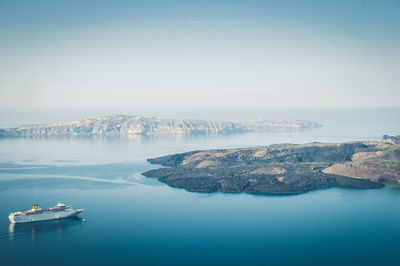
120 125
283 168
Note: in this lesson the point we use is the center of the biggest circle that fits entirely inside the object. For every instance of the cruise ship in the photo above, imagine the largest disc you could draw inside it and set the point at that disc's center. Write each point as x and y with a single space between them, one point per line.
38 214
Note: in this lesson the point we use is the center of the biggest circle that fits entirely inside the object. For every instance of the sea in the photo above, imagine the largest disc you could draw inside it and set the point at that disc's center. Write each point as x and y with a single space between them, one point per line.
130 219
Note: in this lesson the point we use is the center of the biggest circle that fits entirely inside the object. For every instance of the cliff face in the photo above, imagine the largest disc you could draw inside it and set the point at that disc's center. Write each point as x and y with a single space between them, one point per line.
285 168
118 125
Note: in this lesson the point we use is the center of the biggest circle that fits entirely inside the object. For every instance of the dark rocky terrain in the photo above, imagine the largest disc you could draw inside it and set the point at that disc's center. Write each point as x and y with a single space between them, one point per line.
282 168
122 125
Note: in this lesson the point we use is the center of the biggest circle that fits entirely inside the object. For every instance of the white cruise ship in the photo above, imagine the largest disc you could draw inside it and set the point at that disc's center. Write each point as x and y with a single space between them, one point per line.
38 214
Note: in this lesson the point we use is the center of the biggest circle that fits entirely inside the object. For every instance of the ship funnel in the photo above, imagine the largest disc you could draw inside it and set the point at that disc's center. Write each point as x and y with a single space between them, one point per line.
35 206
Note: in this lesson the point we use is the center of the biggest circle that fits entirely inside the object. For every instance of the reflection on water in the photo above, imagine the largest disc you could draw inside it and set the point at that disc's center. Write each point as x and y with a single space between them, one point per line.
59 227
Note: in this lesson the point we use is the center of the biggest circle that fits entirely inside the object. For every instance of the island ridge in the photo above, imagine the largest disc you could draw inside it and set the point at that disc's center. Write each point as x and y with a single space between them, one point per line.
124 125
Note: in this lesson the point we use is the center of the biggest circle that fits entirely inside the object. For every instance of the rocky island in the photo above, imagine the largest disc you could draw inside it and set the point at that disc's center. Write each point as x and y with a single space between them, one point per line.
123 125
282 168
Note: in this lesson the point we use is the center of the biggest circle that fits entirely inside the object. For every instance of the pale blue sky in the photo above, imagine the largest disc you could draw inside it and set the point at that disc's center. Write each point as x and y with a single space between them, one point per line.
200 54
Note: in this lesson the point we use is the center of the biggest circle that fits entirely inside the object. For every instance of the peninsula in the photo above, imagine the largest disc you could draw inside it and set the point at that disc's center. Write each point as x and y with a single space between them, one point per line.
282 168
122 125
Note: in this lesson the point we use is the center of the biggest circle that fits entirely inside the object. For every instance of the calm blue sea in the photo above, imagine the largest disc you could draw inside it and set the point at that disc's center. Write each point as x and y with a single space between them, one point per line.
133 220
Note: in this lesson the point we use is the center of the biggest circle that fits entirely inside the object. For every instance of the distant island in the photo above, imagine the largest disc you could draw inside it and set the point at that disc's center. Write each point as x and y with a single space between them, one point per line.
122 125
282 168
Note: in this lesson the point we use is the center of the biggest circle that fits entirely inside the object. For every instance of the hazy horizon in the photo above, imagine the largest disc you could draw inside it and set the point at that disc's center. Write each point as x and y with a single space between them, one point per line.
325 116
204 54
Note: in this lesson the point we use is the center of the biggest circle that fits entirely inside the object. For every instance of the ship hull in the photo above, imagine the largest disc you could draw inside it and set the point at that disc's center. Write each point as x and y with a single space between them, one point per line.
44 216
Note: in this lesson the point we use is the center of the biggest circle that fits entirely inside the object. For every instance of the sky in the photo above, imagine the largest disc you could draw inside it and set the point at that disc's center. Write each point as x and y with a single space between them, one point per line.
199 54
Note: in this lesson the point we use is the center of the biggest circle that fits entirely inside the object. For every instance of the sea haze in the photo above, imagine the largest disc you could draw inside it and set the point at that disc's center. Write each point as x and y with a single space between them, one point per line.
131 219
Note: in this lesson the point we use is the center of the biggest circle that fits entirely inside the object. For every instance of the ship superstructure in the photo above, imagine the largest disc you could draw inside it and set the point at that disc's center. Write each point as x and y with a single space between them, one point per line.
38 214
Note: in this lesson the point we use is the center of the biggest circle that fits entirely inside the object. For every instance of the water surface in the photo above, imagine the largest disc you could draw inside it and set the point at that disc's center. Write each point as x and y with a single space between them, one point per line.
131 219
